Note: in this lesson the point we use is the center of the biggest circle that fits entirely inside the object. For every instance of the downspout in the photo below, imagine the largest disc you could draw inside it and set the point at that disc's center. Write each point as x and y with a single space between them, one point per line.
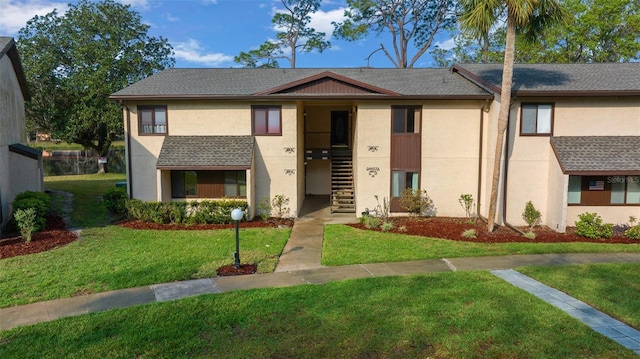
128 152
481 132
506 174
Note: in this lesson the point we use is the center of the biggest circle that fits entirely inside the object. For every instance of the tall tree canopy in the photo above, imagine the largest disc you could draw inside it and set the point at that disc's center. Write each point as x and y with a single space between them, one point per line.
296 36
73 62
407 21
600 31
529 17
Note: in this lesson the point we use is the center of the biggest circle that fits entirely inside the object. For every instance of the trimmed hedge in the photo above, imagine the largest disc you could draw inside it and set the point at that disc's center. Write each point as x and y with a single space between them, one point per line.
39 201
115 200
182 212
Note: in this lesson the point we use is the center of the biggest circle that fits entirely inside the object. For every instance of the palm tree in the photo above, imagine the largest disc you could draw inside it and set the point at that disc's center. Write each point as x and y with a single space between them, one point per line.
529 17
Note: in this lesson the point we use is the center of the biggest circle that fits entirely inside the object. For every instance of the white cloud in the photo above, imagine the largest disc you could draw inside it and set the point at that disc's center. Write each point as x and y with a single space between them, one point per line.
321 20
192 51
16 13
447 44
171 18
135 3
210 1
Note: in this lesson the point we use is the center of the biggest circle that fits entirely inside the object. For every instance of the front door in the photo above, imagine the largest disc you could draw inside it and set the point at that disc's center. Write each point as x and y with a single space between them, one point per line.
339 129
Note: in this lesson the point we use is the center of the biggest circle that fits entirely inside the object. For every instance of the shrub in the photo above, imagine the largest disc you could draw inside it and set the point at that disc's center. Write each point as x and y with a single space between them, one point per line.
466 201
416 202
26 219
633 232
530 235
469 233
203 212
114 199
39 201
386 226
531 215
371 222
382 210
279 205
265 208
590 225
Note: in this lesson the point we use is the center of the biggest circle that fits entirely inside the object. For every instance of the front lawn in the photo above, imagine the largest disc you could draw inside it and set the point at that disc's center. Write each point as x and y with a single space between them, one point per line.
446 315
613 288
345 245
113 257
88 209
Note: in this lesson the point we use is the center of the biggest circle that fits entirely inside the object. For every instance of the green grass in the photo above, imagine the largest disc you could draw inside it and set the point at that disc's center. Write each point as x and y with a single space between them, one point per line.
89 210
113 257
345 245
446 315
611 288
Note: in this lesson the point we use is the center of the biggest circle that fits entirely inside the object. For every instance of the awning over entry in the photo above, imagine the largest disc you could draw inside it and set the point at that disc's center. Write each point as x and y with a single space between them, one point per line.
598 155
206 153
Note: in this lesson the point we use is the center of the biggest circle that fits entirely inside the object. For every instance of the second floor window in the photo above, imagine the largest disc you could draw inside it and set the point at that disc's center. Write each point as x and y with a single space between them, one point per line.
152 120
406 119
267 120
536 119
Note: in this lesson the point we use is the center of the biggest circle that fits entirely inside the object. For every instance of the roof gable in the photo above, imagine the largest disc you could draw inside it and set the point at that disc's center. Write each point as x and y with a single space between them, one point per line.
327 83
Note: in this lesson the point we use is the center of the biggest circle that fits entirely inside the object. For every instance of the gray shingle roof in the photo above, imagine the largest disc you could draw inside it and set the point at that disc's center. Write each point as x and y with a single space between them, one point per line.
5 44
235 82
206 152
8 48
598 154
613 78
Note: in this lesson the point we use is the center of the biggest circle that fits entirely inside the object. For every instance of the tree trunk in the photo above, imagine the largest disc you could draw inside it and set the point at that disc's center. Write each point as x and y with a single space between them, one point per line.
503 119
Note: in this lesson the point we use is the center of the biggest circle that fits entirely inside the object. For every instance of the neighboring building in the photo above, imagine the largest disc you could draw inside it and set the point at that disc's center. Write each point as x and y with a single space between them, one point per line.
353 134
20 165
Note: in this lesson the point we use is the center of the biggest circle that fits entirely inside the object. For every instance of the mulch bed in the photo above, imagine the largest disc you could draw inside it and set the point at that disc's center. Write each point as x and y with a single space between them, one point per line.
53 236
243 269
452 228
56 235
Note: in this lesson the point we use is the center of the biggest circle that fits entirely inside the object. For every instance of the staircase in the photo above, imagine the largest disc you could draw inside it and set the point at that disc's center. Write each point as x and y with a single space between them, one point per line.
342 189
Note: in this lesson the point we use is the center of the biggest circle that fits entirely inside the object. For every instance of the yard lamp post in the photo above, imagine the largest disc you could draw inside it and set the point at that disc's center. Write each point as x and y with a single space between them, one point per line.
237 215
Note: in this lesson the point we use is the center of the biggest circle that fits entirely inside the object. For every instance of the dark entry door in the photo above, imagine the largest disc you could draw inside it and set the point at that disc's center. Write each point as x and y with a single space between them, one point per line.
339 128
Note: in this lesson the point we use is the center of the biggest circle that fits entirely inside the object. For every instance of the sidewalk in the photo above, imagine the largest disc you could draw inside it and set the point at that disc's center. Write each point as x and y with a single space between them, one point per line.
300 264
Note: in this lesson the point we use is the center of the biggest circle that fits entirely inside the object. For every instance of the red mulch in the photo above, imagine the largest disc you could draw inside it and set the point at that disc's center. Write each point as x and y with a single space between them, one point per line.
230 270
53 236
452 228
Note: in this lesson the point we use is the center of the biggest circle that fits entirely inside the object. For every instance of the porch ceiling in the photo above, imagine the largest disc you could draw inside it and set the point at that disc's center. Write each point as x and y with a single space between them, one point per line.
206 152
590 155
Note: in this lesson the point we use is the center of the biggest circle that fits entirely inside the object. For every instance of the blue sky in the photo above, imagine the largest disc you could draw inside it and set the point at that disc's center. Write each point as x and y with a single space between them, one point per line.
209 33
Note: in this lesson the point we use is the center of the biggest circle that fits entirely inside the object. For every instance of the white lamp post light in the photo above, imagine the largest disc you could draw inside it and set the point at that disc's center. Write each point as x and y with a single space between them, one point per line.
237 215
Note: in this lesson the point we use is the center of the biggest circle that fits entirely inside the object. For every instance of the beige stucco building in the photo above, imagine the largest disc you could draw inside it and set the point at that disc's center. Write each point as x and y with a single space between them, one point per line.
20 165
349 135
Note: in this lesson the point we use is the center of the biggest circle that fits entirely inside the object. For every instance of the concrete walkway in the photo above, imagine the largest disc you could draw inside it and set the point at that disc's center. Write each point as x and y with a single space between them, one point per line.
595 319
300 264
